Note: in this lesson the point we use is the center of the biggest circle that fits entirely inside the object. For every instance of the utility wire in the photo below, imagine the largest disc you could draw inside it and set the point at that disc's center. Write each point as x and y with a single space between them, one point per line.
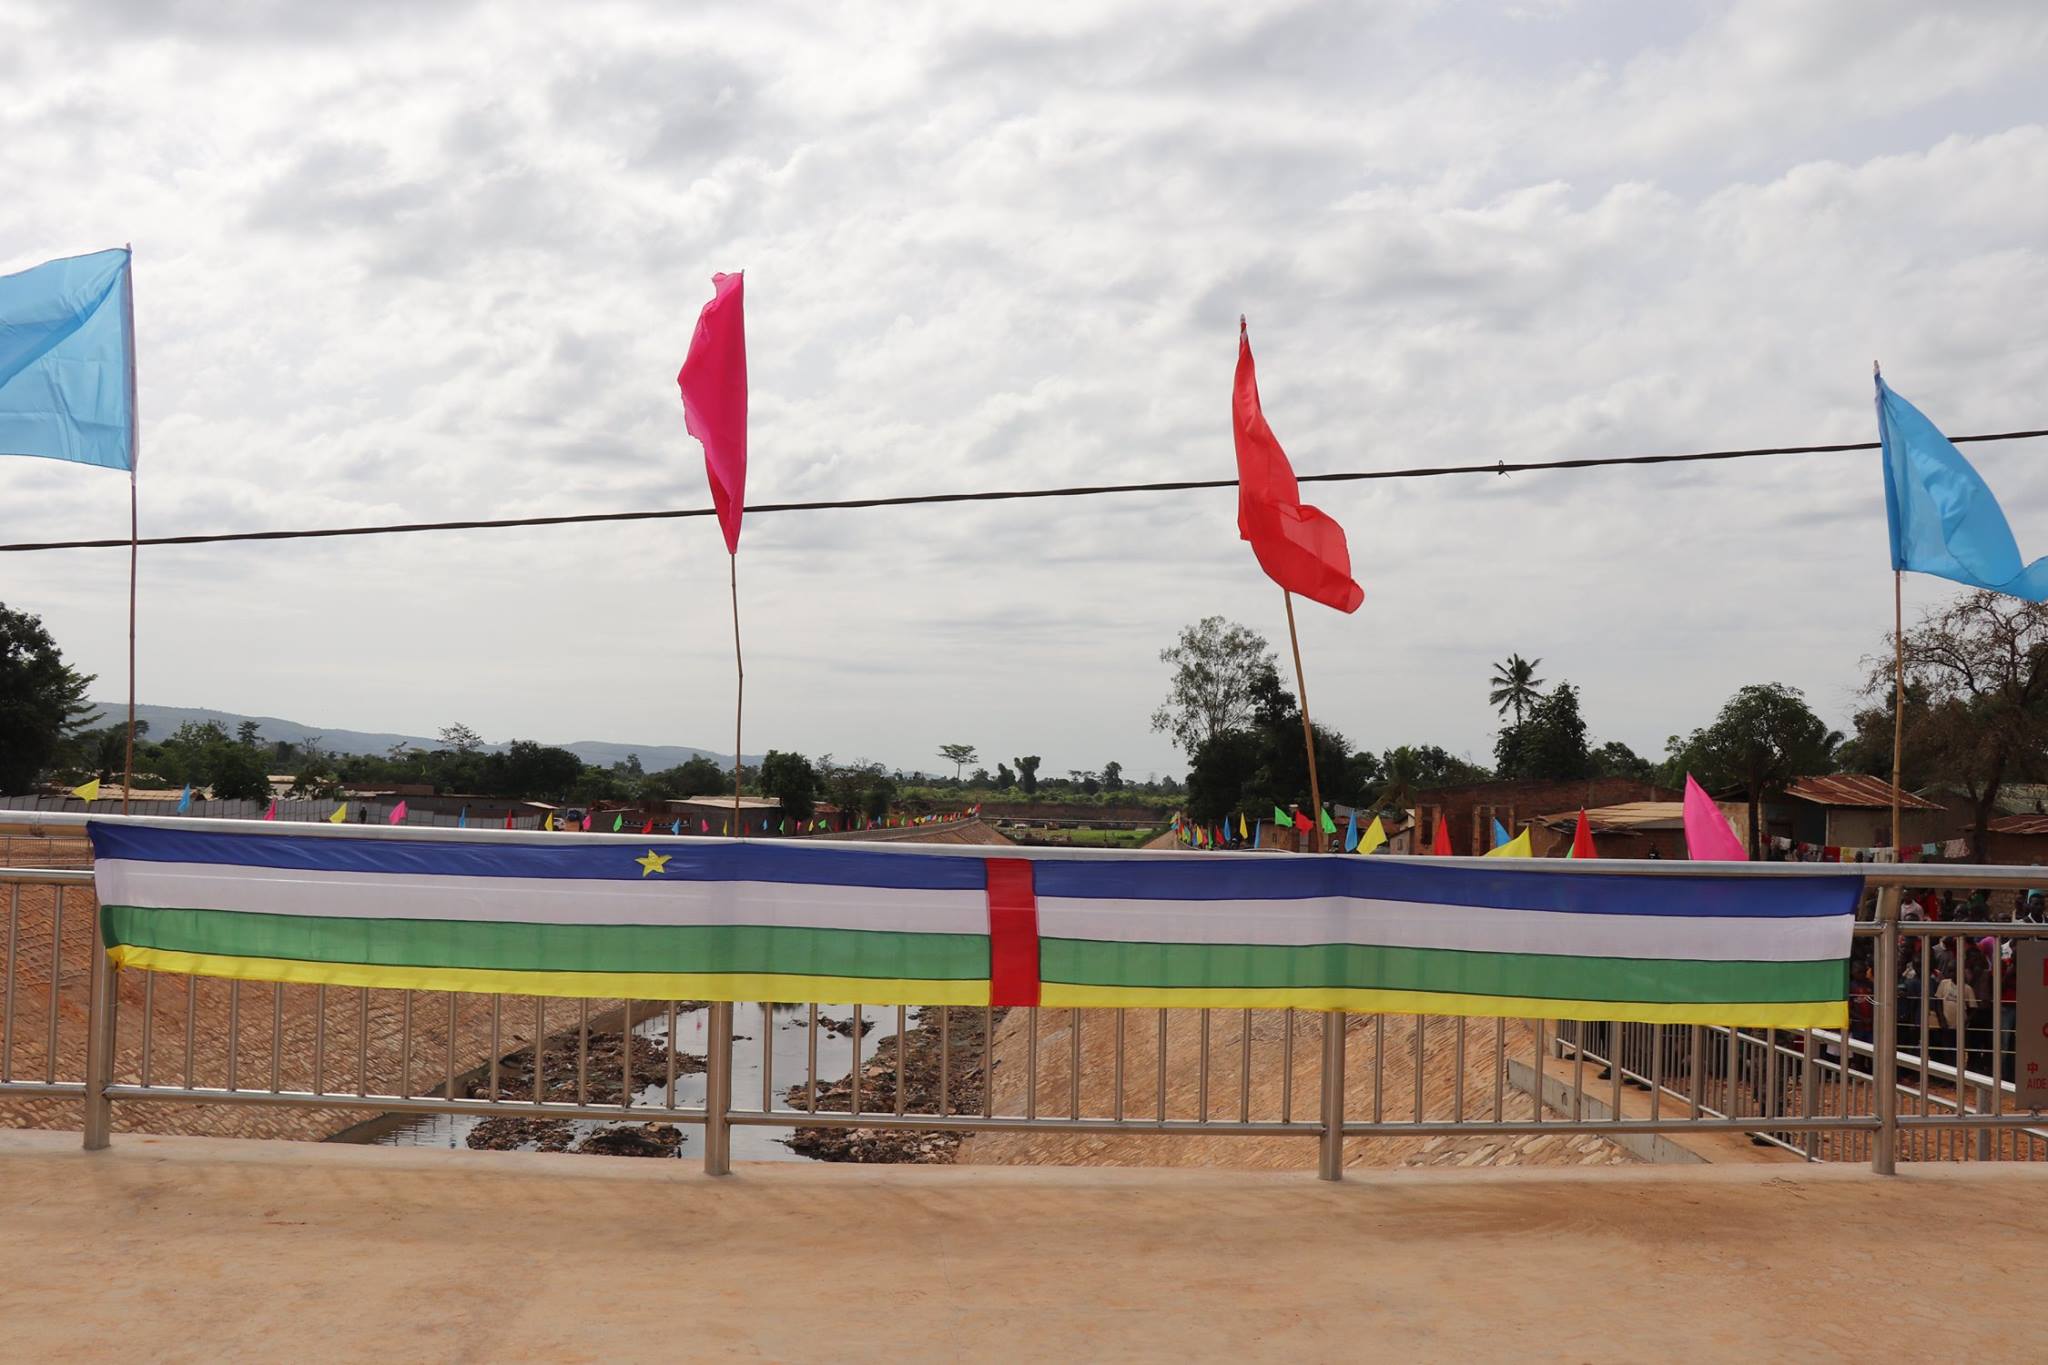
995 495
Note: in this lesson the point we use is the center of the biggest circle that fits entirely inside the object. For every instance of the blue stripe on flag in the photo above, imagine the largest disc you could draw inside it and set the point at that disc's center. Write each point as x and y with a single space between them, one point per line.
690 861
1384 879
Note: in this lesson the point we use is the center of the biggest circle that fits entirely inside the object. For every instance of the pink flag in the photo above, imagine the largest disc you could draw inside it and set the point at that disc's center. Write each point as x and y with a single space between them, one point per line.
1708 835
271 814
714 384
398 814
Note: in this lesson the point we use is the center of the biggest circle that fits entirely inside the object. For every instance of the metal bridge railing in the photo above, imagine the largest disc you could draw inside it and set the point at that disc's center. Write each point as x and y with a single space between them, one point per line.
74 1032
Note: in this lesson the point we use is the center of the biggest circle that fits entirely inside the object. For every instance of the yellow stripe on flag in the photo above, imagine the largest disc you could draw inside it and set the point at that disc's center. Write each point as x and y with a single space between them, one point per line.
621 985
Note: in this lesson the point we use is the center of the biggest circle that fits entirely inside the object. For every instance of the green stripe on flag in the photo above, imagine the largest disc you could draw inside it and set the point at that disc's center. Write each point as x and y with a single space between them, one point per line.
554 947
1093 962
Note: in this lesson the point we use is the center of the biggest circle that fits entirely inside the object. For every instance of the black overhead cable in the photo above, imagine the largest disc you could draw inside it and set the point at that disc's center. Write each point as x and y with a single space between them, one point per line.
994 495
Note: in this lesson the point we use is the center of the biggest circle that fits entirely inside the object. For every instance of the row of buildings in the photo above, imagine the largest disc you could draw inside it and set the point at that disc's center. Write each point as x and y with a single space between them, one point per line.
1832 817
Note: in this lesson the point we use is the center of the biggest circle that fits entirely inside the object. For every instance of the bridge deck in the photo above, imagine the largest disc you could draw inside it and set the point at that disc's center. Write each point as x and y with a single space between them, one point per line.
197 1248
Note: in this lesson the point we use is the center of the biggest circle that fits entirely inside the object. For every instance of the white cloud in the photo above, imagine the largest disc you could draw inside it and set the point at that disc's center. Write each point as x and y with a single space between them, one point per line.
398 263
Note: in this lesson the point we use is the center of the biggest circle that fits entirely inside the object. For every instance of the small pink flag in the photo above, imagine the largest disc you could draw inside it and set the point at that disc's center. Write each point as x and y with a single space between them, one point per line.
714 384
271 814
398 814
1708 835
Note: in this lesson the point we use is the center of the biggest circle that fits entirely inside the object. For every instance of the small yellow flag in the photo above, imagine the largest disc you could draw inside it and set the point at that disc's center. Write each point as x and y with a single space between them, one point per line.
87 792
1375 835
549 823
340 814
1517 847
1244 831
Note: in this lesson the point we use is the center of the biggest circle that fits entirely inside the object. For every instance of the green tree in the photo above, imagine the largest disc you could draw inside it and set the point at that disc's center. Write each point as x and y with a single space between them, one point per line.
792 781
959 755
41 699
534 772
1216 668
238 773
1764 737
1515 686
1112 776
1550 743
461 739
1005 779
1027 773
248 733
1615 759
1977 698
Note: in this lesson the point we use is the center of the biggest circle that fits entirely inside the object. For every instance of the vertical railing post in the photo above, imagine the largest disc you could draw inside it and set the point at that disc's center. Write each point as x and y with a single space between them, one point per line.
99 1043
1884 1028
1330 1154
718 1091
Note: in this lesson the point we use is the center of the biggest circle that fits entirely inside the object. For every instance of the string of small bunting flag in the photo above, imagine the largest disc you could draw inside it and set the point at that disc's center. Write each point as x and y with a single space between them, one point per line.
1240 832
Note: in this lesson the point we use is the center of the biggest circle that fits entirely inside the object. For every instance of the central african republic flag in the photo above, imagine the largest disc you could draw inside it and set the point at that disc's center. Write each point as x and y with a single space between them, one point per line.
527 913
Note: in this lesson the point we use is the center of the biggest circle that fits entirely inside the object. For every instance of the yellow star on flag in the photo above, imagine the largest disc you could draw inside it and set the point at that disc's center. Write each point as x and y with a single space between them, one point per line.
653 862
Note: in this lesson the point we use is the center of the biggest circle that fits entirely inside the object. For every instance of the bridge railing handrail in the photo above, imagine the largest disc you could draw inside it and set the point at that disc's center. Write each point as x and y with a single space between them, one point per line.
98 1086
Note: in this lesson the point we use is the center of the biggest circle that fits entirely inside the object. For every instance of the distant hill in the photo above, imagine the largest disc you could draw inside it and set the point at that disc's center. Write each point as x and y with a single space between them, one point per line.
603 753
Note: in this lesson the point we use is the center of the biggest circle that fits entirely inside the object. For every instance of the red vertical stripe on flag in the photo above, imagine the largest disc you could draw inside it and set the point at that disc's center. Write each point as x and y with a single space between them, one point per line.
1012 933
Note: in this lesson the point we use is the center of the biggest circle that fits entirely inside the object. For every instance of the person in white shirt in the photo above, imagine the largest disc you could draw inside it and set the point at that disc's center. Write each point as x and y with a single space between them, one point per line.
1956 999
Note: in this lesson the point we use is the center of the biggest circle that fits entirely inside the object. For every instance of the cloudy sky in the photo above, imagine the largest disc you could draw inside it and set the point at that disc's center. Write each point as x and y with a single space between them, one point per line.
400 262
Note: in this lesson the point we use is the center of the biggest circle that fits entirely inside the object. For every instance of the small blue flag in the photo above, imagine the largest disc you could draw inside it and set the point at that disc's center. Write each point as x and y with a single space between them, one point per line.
66 361
675 827
185 799
1351 835
1942 516
462 819
1257 826
1500 834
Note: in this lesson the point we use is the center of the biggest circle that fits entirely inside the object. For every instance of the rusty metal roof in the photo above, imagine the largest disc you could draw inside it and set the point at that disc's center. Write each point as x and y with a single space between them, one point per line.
1854 789
2019 824
1628 817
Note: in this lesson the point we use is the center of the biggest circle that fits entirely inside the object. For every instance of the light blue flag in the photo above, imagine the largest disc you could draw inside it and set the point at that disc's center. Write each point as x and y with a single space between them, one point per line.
1257 827
1500 834
66 354
185 799
675 827
1351 834
462 820
1943 518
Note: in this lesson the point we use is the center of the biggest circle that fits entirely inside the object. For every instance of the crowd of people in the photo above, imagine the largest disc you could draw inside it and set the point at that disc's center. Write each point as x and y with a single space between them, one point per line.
1960 988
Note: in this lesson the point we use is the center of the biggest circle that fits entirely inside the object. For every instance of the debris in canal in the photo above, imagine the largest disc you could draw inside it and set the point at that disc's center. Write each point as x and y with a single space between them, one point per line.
967 1040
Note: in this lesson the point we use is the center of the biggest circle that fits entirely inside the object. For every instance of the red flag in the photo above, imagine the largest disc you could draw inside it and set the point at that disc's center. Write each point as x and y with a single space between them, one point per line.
1299 547
508 820
1302 822
1582 838
648 828
714 384
271 814
1442 846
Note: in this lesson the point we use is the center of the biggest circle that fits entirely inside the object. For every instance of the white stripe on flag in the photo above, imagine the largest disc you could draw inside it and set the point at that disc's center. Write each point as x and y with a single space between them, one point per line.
1470 928
539 900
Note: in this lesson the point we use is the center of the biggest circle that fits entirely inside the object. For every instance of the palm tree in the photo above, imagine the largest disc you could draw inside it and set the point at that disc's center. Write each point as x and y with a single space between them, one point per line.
1515 686
1400 782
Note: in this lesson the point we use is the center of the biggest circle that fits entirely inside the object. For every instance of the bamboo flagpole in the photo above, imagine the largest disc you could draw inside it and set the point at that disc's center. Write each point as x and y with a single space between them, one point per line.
739 696
134 520
1308 734
1898 706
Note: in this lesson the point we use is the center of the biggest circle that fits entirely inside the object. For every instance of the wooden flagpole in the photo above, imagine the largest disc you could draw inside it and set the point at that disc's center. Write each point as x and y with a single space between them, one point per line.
1898 705
134 523
1308 734
1898 675
739 693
